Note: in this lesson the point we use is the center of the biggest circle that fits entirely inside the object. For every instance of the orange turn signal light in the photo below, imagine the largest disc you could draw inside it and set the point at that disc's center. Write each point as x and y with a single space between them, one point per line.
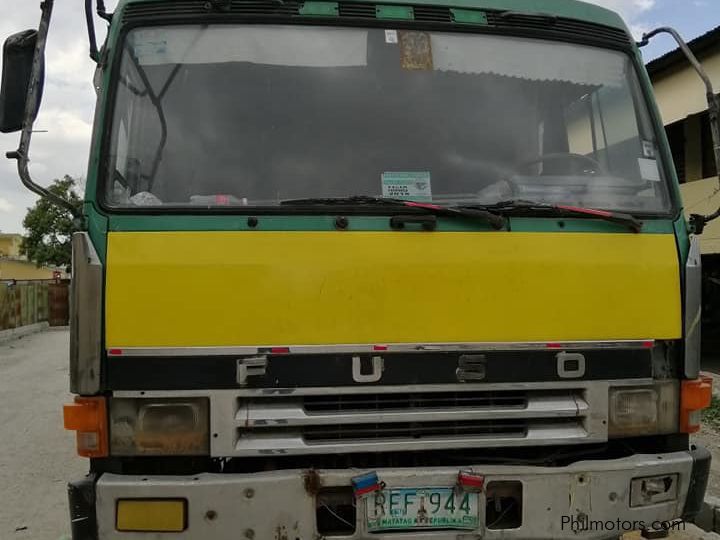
695 395
88 417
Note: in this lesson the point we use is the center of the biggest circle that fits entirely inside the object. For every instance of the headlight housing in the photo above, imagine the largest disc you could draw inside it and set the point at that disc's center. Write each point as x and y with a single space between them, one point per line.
158 427
643 410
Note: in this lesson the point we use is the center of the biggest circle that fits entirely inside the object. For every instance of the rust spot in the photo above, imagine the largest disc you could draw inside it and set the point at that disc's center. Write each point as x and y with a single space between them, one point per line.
312 482
281 533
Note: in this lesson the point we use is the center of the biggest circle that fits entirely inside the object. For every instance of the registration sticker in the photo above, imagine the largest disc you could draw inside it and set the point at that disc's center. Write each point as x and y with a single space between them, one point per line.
421 508
649 169
415 50
408 186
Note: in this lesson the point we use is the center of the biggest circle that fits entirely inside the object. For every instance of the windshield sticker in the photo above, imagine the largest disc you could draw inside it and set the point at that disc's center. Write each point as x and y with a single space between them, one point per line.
408 186
151 50
649 169
648 149
415 50
149 45
391 36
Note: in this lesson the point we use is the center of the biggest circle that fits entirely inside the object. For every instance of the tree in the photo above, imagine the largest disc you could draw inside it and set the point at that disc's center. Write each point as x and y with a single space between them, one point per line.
50 227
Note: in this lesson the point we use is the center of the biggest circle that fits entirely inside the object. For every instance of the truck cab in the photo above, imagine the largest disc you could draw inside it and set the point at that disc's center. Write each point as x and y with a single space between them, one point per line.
381 271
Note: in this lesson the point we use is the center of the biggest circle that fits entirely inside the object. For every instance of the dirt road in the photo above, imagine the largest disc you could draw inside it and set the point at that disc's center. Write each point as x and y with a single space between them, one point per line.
37 457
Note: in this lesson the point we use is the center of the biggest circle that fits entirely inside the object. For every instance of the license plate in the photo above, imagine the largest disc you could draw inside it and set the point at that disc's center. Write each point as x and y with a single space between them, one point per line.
421 508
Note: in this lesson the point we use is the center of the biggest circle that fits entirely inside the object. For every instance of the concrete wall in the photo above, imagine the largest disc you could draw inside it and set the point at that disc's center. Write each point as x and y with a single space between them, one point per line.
22 270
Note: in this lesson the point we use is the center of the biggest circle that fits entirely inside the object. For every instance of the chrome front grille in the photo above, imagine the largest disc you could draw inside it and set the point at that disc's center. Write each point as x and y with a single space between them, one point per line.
369 420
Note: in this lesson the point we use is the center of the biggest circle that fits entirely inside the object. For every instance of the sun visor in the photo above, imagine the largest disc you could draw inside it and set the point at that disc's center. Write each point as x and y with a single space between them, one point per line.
302 47
527 59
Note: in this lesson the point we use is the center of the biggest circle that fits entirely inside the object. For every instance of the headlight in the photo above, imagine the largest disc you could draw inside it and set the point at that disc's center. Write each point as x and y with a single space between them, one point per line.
154 427
644 410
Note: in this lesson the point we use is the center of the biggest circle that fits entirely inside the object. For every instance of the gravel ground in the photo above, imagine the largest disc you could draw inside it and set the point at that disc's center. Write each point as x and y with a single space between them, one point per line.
710 439
37 457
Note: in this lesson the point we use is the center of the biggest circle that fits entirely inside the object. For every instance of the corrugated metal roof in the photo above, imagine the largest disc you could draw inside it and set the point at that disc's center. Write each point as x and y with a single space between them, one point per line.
698 45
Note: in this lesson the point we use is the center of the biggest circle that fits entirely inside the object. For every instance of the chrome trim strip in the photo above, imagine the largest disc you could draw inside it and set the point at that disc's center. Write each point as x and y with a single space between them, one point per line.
693 309
315 391
86 309
254 444
279 413
377 348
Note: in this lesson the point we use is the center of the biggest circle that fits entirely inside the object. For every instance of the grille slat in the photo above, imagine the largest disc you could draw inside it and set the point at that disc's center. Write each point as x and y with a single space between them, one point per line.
384 402
410 420
570 29
415 431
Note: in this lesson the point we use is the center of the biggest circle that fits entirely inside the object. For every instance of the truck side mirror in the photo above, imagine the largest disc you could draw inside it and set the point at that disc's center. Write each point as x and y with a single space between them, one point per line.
697 222
21 89
18 57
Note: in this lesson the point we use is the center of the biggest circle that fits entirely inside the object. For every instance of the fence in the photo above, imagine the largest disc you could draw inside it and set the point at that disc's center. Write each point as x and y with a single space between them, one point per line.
28 302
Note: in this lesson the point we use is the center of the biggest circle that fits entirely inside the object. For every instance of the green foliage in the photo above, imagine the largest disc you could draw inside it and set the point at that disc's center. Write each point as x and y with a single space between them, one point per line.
711 415
50 227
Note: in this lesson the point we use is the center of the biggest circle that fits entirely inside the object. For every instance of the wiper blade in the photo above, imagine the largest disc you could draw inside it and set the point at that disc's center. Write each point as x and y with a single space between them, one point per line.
497 221
344 201
620 218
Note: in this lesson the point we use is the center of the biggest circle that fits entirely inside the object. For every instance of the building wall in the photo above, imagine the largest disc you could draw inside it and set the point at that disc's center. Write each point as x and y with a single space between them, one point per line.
10 245
22 270
680 92
681 98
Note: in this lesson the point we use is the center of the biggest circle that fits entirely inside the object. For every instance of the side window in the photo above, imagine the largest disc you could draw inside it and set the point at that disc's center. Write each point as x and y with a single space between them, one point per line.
603 125
135 120
583 127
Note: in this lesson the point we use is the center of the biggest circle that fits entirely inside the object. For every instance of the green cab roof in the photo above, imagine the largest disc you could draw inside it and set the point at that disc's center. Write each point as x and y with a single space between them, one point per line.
571 9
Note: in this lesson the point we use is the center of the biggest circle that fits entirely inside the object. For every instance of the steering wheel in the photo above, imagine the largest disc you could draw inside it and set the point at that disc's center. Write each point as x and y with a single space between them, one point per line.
595 166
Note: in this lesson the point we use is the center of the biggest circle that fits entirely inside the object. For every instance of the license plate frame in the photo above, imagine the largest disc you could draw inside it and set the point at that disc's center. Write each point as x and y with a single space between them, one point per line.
424 508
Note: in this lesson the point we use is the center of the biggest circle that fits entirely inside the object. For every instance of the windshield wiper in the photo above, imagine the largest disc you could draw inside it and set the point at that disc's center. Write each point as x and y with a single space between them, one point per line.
621 218
497 221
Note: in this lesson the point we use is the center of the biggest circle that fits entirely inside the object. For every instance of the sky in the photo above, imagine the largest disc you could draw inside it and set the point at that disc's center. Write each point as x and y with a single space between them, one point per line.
69 99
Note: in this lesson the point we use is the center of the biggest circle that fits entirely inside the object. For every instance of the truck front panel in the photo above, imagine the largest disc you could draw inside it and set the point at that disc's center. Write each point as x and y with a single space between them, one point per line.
381 271
259 288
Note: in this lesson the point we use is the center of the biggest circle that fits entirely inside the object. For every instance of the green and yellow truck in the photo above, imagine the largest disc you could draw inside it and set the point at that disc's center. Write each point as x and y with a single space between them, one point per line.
376 270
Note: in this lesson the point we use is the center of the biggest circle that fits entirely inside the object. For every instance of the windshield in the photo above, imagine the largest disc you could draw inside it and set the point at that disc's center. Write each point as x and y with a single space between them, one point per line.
254 115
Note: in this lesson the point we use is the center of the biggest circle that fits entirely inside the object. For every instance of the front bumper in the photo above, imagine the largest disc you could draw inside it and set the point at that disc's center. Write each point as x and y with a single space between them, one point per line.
281 504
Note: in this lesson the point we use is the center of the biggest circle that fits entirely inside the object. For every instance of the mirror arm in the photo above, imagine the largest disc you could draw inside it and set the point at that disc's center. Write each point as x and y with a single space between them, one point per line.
102 13
31 107
697 222
94 54
92 38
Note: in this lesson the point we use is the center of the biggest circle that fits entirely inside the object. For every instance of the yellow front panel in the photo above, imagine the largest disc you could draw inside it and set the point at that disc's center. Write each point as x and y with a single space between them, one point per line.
147 515
183 289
